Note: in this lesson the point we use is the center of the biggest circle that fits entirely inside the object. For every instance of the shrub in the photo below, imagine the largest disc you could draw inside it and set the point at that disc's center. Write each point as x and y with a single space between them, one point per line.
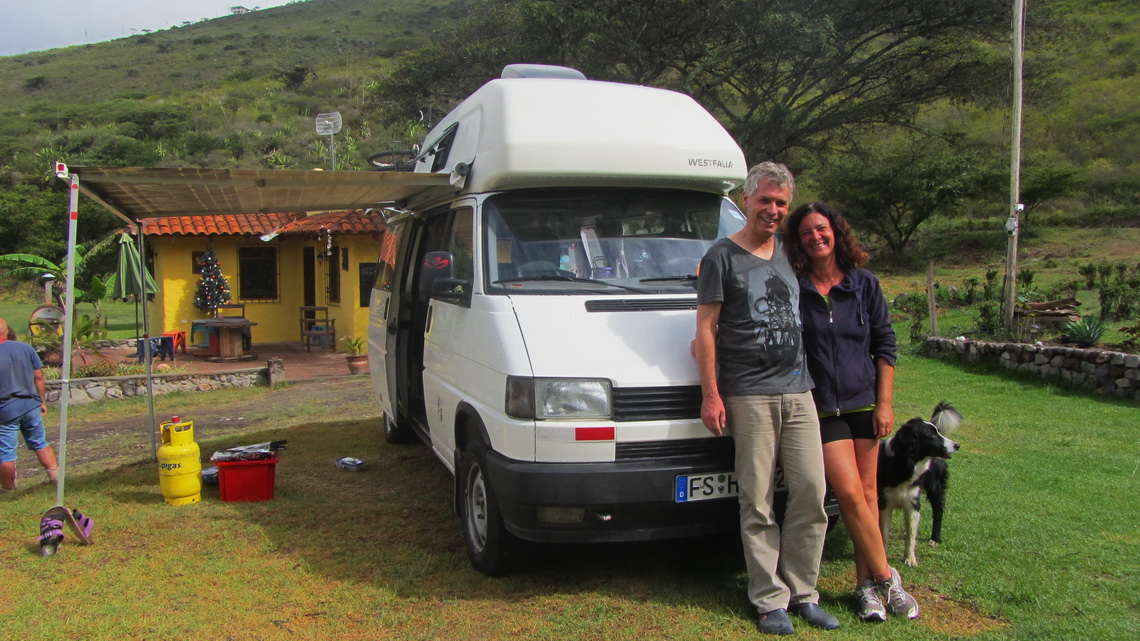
916 308
1103 271
991 290
97 370
989 318
1086 332
1088 271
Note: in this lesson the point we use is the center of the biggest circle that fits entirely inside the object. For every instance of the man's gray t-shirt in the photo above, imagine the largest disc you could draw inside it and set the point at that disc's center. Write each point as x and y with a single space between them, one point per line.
759 345
18 394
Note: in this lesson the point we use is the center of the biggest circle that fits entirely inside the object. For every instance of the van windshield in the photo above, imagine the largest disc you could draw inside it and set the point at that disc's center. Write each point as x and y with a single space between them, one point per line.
601 241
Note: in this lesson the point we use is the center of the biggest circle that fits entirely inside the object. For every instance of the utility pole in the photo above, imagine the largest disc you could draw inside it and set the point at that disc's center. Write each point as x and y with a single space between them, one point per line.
1015 207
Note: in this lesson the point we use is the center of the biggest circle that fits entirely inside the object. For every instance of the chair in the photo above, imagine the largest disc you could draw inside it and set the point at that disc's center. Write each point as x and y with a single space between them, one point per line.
317 328
160 347
179 338
231 310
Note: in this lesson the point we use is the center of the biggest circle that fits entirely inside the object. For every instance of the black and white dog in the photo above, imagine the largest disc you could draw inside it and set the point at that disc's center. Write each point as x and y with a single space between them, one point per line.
913 461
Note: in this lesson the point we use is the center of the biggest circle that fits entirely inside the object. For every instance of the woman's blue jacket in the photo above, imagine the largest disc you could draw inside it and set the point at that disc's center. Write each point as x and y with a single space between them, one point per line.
841 342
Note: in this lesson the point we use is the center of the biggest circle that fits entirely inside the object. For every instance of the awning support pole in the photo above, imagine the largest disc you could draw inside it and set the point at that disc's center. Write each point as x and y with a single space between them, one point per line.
146 339
68 320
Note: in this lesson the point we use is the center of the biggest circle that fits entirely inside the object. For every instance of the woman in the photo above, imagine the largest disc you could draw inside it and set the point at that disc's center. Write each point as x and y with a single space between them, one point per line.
850 348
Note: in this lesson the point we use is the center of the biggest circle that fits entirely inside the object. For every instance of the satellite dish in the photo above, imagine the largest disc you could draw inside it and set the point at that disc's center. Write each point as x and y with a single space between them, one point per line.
328 124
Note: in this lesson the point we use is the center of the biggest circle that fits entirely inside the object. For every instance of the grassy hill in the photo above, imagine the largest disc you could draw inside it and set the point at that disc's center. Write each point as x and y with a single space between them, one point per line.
240 90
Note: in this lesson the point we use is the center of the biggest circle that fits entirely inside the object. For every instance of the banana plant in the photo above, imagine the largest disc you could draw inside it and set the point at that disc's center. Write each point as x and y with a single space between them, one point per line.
31 266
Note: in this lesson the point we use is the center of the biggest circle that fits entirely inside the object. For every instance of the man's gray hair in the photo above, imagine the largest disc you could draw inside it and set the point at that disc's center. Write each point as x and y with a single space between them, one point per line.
774 172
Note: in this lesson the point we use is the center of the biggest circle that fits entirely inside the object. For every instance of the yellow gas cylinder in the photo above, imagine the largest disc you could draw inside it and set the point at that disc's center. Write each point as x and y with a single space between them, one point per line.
179 463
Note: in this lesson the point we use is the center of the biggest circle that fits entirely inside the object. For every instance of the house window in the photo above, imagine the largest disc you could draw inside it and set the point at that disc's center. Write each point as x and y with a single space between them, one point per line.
257 273
196 262
332 284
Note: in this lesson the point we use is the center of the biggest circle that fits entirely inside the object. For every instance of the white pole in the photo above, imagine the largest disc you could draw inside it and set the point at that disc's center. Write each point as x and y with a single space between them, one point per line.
146 349
1011 225
68 316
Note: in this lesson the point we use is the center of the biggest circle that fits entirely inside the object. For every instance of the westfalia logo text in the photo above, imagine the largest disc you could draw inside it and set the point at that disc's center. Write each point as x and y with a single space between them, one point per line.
710 162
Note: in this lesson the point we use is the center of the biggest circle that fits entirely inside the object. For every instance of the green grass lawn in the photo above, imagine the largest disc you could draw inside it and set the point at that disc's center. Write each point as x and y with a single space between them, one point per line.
120 316
1040 541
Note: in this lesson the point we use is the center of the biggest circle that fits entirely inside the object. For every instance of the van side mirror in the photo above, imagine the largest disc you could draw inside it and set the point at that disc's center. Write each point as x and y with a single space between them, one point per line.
437 279
455 290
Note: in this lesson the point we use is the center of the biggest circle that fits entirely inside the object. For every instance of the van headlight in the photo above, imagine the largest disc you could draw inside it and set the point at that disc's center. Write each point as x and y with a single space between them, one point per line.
554 398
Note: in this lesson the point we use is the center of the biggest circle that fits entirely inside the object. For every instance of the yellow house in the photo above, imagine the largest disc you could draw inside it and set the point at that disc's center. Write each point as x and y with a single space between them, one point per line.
274 263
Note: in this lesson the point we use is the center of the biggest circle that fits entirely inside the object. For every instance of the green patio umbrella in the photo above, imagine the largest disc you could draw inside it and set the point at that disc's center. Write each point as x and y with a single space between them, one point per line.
129 274
128 277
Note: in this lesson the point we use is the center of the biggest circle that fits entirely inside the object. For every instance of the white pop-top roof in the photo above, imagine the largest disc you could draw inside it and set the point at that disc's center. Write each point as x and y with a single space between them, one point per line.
541 132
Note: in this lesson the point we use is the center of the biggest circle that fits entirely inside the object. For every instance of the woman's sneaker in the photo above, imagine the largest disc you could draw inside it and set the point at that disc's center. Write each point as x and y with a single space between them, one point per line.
899 603
870 606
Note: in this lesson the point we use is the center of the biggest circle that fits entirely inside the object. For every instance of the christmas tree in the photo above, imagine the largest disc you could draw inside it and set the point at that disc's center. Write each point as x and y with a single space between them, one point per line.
212 289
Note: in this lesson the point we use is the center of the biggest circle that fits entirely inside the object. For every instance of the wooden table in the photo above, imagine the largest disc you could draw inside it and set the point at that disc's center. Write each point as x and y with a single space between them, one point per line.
230 332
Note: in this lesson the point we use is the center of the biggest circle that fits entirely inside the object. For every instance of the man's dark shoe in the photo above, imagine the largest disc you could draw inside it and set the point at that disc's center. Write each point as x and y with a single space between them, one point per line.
814 615
775 622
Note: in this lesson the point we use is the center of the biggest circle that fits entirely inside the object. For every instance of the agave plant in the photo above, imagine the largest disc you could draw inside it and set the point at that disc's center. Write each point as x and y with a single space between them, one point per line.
1086 332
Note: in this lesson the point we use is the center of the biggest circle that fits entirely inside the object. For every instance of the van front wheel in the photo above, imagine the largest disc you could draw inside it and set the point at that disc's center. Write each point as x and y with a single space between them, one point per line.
488 542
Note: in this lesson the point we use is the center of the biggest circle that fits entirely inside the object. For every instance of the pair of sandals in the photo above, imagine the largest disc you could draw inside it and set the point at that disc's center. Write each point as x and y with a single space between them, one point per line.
51 528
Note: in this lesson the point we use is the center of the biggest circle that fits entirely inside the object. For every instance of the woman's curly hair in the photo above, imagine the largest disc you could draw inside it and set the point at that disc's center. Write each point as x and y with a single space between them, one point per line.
849 254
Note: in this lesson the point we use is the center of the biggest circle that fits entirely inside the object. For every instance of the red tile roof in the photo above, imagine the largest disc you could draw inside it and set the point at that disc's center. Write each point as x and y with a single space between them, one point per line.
356 221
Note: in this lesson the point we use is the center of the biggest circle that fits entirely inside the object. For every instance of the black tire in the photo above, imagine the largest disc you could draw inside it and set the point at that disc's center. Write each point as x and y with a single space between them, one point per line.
397 433
487 540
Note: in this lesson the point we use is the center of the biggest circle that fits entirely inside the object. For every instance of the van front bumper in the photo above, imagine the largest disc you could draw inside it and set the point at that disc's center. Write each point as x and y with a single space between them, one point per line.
621 501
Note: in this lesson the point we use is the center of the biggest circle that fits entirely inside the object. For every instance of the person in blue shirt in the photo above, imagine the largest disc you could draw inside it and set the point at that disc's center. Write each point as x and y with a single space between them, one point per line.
22 407
850 347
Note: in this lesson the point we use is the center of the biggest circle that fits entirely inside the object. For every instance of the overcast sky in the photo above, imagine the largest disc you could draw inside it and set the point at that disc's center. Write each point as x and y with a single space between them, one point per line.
36 25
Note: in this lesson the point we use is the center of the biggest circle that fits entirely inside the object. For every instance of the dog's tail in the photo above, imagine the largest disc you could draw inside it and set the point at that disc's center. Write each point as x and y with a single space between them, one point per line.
946 418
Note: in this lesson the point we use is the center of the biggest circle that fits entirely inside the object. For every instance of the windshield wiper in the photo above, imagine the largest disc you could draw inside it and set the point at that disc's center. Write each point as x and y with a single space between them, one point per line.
664 278
569 279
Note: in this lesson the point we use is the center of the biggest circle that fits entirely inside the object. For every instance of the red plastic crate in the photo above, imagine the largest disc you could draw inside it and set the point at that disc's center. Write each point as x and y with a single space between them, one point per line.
246 481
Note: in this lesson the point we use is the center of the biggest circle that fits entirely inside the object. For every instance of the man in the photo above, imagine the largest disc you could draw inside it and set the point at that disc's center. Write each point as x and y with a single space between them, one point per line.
22 407
756 387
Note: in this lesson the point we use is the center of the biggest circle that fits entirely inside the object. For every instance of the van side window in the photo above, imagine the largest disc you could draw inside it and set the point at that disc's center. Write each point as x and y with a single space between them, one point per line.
437 152
461 243
386 265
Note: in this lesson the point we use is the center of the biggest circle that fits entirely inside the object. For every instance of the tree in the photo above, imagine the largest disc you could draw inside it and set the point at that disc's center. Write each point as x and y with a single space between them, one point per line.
33 267
29 221
213 289
1044 182
893 184
781 75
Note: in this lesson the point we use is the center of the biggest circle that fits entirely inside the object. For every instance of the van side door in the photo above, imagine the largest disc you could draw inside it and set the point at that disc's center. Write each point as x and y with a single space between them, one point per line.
382 316
450 368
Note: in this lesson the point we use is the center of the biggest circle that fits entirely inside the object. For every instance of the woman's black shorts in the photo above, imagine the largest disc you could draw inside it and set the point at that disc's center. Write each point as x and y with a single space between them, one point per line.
847 426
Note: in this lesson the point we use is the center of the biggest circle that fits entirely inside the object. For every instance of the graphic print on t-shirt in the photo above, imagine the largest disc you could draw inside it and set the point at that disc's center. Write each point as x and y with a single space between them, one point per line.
773 303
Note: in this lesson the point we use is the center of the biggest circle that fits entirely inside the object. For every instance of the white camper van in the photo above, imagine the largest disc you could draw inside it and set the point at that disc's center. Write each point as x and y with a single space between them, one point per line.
532 322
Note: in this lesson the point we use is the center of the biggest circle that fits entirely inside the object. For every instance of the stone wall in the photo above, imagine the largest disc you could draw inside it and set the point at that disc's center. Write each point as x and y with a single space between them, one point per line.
1114 373
86 390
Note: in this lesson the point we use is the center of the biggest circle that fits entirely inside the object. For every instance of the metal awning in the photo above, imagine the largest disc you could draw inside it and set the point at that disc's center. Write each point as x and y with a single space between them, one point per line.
136 192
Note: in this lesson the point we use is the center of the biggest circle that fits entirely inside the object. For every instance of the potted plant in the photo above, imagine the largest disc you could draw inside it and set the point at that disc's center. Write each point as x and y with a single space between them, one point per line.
357 357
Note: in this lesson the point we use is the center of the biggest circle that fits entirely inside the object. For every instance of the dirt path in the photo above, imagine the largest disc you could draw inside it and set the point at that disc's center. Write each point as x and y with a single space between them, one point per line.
109 437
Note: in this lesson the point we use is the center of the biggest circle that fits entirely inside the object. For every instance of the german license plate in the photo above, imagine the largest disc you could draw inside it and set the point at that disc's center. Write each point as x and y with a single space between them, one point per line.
701 487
